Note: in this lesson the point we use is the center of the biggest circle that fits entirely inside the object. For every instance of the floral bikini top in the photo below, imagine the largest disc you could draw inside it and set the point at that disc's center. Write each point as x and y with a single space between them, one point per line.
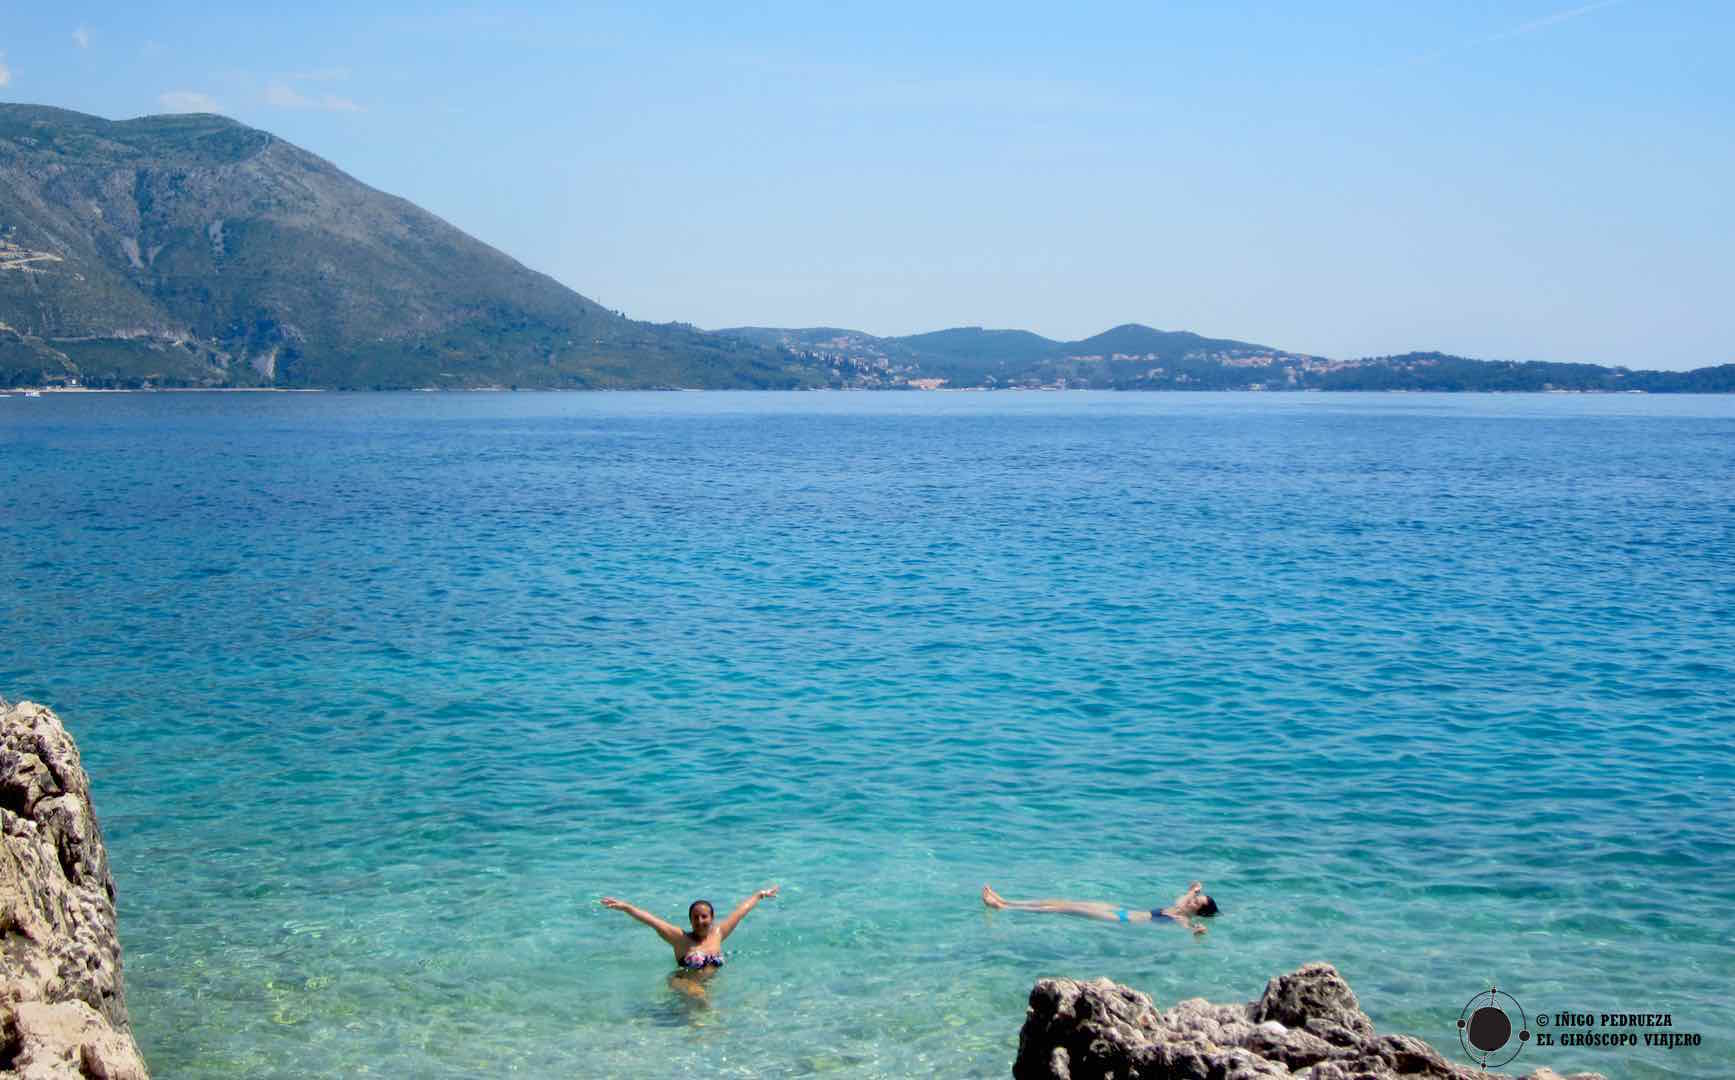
698 960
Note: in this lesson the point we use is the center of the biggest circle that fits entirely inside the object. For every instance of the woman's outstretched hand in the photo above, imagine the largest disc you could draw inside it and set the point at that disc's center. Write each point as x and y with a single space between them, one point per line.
766 894
615 905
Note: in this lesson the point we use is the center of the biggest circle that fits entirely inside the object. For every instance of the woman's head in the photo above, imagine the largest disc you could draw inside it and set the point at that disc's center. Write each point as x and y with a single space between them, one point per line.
700 913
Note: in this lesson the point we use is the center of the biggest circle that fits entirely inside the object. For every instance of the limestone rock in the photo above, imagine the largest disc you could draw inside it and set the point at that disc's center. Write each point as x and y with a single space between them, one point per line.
70 1039
1316 998
62 1003
1308 1024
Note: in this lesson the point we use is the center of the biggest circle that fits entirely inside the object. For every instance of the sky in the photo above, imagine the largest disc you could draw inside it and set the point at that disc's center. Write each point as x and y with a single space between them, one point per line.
1525 179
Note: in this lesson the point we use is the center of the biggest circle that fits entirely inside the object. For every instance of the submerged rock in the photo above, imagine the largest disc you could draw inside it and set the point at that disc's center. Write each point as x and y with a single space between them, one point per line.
1307 1024
62 1004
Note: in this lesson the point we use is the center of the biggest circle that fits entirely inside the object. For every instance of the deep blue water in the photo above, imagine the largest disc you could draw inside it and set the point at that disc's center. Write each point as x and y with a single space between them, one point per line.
379 693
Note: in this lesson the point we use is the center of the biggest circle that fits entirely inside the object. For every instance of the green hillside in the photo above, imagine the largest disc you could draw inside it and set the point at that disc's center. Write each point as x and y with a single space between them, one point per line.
1135 357
1128 357
1433 371
196 251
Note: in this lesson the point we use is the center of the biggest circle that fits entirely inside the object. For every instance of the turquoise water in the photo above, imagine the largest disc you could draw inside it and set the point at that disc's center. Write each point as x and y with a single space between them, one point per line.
381 692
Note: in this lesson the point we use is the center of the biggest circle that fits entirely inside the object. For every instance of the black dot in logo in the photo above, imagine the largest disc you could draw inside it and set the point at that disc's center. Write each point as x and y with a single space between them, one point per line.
1523 1035
1489 1029
1460 1021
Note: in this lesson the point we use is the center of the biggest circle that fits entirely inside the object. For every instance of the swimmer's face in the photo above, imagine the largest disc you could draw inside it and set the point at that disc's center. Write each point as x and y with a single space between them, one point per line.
700 915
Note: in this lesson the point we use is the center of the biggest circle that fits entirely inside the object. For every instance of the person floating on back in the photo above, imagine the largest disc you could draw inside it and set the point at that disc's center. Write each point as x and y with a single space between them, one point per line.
1190 904
701 947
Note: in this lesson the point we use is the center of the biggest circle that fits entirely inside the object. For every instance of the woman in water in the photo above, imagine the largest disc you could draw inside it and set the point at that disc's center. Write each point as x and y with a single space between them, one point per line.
1189 904
702 946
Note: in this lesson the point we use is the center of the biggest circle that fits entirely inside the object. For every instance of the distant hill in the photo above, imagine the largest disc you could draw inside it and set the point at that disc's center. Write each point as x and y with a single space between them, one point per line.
193 250
1127 357
1441 372
1135 357
972 350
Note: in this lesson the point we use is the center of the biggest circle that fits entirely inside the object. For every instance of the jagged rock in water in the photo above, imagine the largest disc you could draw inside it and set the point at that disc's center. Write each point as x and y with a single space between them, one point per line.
1307 1024
62 1004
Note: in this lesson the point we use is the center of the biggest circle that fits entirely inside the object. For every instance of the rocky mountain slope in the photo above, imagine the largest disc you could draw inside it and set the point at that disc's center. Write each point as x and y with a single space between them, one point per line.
193 250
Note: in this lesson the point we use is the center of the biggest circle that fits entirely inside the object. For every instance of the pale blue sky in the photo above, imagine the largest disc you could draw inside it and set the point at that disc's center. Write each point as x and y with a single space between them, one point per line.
1530 180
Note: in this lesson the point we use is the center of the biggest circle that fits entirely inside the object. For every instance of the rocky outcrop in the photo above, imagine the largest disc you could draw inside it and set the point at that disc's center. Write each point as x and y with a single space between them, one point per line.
1307 1024
62 1005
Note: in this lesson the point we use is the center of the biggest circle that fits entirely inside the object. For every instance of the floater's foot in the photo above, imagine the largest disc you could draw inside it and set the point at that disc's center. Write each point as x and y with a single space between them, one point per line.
992 898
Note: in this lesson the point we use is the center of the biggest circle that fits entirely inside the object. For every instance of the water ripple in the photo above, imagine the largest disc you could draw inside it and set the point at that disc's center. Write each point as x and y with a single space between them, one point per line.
380 692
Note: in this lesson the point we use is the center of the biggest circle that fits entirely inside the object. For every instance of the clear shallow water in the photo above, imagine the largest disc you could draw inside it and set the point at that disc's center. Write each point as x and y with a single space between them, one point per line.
380 692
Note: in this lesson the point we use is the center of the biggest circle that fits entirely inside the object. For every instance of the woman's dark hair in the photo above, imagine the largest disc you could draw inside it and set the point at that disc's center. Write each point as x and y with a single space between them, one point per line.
1210 907
706 904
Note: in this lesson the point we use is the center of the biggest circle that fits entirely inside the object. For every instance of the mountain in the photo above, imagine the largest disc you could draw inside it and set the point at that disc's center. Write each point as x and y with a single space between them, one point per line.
971 347
1135 357
197 251
1127 357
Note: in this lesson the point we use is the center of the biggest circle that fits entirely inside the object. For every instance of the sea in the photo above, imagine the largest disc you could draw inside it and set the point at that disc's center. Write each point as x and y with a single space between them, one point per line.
381 693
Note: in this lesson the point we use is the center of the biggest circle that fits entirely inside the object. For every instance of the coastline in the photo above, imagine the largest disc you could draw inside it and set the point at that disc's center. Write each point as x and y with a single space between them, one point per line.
21 391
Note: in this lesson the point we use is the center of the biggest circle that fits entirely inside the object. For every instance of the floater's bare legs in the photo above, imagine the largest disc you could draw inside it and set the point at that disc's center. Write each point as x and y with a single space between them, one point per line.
1090 909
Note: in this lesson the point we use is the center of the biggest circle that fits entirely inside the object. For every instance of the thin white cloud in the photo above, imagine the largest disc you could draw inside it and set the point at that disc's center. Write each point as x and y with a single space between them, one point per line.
187 101
1531 27
979 93
284 96
5 72
81 36
1555 19
330 74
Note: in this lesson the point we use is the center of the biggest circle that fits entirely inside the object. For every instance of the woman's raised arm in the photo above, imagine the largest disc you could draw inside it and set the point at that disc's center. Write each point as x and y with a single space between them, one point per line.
669 932
741 911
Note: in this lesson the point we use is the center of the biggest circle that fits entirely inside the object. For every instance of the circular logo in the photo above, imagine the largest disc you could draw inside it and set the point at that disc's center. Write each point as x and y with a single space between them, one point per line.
1489 1029
1486 1028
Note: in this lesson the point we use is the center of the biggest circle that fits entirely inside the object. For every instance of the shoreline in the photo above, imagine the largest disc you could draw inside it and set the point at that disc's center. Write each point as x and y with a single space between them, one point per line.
25 391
